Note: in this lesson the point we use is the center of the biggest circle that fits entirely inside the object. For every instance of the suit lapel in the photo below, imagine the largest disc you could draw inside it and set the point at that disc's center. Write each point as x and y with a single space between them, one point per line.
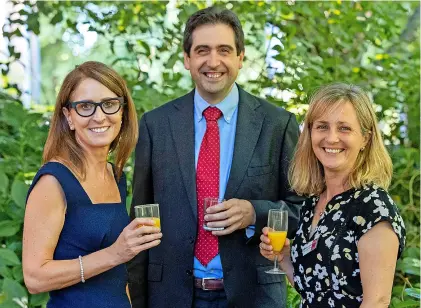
182 129
249 125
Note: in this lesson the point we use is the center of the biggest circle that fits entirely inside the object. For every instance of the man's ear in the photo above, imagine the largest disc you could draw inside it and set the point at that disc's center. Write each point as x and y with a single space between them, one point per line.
186 61
241 58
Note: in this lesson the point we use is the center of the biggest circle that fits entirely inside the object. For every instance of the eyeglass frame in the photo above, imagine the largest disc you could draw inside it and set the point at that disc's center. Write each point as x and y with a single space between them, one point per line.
97 104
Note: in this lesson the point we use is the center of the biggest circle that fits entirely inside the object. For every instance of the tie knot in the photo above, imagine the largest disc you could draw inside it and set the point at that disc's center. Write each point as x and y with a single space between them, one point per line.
212 114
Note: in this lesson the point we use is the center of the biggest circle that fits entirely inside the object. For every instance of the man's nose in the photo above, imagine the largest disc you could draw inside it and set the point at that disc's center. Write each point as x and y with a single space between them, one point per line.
213 59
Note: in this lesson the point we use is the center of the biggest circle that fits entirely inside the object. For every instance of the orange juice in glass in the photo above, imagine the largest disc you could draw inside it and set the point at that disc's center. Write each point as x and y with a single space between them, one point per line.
277 240
278 227
157 222
148 211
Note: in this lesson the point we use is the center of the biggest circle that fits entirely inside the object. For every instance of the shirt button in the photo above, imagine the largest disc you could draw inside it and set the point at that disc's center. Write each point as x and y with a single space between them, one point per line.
189 272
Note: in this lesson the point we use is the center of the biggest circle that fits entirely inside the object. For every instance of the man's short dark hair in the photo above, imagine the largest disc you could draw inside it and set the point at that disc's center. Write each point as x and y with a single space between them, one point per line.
213 15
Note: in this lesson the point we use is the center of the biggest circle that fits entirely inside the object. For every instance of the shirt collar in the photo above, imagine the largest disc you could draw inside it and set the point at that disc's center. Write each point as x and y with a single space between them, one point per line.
227 105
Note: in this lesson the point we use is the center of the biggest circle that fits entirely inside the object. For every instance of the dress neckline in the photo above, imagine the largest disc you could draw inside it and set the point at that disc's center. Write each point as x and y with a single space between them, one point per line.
83 189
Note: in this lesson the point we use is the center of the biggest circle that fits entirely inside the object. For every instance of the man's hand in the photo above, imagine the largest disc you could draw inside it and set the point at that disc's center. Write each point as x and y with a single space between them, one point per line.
232 215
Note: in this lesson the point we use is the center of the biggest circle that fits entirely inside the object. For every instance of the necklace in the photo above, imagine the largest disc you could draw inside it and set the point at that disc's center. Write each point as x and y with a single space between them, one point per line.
320 200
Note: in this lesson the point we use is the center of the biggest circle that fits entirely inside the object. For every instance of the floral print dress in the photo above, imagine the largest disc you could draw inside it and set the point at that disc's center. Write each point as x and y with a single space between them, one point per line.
326 268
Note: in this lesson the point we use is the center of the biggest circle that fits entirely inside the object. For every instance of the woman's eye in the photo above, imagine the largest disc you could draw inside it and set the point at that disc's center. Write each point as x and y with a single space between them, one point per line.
86 106
321 127
345 128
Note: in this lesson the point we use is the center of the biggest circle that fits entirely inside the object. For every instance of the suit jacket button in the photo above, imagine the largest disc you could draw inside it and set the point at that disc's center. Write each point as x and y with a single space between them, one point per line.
189 272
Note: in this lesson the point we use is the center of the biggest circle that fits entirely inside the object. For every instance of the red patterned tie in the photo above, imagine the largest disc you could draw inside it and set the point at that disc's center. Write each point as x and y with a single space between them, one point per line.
207 183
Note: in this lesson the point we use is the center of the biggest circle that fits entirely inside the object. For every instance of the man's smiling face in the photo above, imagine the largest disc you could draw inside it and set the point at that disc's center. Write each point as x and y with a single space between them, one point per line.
213 61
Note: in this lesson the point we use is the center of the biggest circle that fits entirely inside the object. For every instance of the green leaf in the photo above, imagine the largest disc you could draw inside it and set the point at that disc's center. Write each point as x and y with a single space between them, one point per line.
407 304
4 182
57 18
171 61
39 299
19 192
14 114
8 257
128 203
413 292
13 290
5 272
9 228
18 273
409 266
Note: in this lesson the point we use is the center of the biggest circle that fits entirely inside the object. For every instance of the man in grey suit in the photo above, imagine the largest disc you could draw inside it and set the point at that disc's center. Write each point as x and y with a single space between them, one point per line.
241 155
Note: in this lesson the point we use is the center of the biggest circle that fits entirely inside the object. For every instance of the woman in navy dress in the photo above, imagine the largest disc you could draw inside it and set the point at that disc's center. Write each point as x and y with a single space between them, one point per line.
350 232
77 234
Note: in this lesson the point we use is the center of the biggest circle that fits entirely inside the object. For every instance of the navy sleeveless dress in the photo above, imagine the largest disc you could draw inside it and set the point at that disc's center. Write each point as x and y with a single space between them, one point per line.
88 228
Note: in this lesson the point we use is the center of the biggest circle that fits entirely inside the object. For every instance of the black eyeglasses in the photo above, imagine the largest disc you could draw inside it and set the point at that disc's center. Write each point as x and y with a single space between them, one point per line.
86 108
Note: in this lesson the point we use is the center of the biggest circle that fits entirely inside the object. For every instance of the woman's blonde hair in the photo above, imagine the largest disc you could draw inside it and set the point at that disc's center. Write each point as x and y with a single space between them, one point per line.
373 164
61 143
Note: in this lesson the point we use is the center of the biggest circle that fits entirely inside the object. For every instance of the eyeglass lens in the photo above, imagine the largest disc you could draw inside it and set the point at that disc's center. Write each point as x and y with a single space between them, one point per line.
108 107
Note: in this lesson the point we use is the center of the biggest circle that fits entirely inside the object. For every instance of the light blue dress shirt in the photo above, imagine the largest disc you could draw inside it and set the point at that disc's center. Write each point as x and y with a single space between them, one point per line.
227 126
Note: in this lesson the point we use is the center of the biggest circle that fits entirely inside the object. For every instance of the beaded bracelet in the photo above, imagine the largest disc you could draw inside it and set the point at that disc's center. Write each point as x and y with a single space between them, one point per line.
81 270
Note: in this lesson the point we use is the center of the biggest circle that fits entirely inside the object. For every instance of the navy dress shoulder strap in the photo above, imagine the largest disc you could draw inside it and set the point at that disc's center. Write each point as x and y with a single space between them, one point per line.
73 190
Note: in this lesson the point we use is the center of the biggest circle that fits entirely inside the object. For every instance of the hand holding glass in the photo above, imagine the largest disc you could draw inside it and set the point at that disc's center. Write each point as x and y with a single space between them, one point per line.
208 202
278 227
148 211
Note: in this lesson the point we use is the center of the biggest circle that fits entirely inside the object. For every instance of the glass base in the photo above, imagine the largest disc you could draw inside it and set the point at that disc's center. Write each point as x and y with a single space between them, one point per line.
212 229
275 271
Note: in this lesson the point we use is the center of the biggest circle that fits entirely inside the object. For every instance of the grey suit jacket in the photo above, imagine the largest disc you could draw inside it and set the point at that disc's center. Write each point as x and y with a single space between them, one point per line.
165 173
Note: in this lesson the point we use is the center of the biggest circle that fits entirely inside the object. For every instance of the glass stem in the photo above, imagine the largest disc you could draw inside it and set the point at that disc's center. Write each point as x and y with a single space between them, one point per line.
276 262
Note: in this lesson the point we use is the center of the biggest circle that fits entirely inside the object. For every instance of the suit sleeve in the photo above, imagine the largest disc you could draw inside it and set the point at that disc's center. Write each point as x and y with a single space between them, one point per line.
137 268
287 198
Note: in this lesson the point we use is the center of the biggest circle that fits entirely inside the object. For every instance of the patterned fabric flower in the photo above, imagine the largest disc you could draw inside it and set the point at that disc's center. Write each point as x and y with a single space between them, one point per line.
329 276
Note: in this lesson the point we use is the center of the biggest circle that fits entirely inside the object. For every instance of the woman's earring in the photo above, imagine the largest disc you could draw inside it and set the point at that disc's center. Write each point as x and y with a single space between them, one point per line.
362 149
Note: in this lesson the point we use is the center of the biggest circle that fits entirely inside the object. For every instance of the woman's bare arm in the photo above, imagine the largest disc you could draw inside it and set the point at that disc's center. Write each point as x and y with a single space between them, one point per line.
378 250
44 220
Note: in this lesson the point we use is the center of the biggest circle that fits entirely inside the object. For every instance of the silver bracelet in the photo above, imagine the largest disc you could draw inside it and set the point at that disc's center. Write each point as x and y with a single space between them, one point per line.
82 277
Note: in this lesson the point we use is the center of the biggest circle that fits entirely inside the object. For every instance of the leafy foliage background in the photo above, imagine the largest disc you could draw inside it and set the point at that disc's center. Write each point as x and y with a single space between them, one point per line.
371 44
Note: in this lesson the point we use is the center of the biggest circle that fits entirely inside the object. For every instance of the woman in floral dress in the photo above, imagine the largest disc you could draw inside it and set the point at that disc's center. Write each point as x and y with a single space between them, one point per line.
350 232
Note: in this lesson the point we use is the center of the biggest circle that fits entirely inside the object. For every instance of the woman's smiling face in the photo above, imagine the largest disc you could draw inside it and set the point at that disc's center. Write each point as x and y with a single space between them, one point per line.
98 130
337 139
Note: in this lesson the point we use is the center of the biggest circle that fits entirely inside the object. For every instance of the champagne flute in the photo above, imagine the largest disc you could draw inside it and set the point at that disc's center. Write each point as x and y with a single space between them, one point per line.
278 227
148 211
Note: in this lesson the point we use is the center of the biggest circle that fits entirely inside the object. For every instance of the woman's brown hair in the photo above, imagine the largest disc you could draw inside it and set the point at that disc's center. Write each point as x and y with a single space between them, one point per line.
61 143
373 164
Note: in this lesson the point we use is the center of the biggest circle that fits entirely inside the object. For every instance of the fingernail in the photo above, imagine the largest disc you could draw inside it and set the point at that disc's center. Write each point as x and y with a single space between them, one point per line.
206 217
